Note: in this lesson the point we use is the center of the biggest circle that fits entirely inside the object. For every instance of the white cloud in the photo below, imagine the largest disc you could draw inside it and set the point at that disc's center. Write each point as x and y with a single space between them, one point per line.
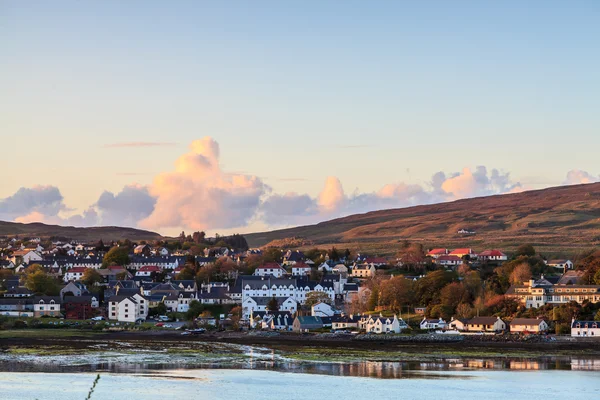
198 194
127 207
576 176
42 200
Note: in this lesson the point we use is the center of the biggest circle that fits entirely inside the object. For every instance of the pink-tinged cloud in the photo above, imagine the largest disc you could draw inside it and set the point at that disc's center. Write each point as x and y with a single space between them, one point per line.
198 194
332 197
138 144
576 177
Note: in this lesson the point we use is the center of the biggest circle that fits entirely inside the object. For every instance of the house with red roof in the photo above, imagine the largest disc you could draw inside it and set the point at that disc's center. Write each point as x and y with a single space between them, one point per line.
460 253
435 253
376 261
492 255
147 270
301 269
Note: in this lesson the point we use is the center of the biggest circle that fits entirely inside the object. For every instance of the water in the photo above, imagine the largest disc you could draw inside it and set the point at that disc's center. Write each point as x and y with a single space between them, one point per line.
261 384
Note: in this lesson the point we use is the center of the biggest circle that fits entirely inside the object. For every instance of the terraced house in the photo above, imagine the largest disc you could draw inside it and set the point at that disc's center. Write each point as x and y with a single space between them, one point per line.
537 293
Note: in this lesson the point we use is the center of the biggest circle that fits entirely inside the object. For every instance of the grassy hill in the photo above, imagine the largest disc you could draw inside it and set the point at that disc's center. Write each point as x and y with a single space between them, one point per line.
558 220
105 233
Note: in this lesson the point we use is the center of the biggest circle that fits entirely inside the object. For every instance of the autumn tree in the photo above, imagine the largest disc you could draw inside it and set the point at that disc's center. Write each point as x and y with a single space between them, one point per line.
187 273
520 274
91 277
39 282
453 294
313 298
116 256
525 250
236 317
396 293
272 255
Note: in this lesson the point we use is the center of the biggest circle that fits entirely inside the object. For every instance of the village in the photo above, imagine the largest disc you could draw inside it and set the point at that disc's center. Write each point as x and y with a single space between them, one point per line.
441 291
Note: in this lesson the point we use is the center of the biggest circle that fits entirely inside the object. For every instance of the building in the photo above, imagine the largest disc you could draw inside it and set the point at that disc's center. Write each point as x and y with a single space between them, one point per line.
449 261
74 274
46 306
460 253
80 307
296 288
534 294
305 323
260 304
432 323
585 328
563 265
492 256
381 324
435 253
531 325
340 269
127 308
321 309
485 324
270 269
345 321
301 269
147 270
292 257
363 271
459 324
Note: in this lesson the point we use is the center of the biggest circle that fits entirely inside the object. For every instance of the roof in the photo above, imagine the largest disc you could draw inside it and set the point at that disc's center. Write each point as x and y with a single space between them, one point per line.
449 258
526 321
263 301
556 262
149 268
270 266
482 321
376 260
308 320
586 324
462 251
492 253
76 270
437 251
301 265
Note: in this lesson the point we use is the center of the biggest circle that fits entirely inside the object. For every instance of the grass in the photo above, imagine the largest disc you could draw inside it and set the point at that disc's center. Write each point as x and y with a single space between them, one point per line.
47 333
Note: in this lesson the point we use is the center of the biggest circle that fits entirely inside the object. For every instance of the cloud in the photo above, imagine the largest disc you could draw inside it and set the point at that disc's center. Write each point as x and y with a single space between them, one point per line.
126 208
199 195
42 200
576 176
332 201
138 144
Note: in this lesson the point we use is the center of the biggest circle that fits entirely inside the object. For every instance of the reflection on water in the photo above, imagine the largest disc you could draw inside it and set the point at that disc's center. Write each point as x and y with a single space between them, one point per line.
371 369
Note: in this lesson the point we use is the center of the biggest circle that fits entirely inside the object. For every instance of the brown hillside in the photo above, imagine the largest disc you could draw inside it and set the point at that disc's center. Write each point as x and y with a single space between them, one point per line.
105 233
556 220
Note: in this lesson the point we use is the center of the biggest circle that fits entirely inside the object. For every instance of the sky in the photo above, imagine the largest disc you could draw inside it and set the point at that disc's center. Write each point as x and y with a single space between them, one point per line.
246 116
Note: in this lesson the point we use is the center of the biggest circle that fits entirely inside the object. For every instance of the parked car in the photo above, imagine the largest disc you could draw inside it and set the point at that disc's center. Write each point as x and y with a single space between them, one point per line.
159 324
99 318
163 318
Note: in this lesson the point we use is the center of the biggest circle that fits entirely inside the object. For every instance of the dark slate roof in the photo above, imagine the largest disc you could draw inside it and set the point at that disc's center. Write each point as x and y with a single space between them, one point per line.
526 321
310 321
483 321
263 301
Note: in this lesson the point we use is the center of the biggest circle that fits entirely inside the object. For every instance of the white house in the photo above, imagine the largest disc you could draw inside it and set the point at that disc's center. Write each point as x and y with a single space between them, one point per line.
585 328
492 255
449 260
259 304
270 269
147 270
324 267
458 324
432 323
74 274
282 287
127 308
28 256
46 306
300 269
533 325
382 324
340 269
322 310
560 264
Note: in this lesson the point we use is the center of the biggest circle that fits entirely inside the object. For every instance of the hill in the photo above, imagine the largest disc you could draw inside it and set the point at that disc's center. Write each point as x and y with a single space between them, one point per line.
105 233
558 220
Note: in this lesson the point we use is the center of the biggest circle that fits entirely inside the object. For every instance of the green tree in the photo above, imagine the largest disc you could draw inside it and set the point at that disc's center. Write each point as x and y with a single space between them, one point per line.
91 277
272 255
116 256
525 250
39 282
373 301
195 309
273 305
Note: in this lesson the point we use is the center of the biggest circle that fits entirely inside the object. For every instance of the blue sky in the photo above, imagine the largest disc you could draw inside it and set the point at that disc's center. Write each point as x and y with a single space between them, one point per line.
371 93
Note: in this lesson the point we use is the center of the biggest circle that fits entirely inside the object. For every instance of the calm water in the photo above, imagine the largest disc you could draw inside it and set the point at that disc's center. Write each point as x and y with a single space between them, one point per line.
259 385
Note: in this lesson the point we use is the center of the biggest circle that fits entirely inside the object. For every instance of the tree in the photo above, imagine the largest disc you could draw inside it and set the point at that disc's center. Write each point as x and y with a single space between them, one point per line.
520 274
187 273
453 294
195 309
333 254
91 277
39 282
464 310
116 256
236 316
313 298
396 293
161 309
198 237
373 299
273 305
525 250
272 255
